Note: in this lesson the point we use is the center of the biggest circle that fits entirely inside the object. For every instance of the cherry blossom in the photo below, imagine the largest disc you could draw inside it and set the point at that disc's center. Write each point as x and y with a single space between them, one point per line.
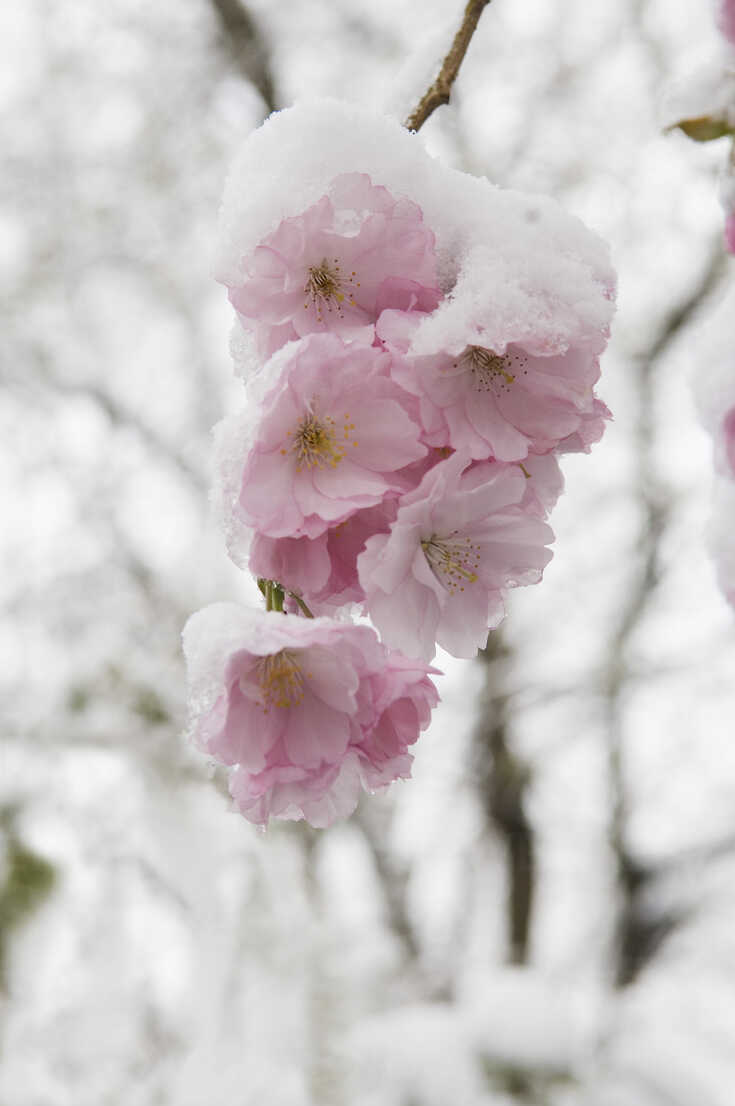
353 253
308 710
500 403
458 542
322 569
331 436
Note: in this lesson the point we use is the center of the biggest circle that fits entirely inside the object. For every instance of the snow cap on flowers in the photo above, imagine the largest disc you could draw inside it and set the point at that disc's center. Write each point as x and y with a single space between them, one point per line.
516 265
307 711
464 536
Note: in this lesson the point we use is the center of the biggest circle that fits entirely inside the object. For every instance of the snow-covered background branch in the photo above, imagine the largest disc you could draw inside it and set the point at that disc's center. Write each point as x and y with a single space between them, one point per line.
544 915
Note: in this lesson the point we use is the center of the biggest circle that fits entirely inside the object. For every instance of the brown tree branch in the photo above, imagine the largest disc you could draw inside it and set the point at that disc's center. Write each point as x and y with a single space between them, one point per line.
247 48
640 931
503 781
438 93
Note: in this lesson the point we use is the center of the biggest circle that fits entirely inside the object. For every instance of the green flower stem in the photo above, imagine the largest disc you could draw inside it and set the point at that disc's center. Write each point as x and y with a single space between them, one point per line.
301 604
275 594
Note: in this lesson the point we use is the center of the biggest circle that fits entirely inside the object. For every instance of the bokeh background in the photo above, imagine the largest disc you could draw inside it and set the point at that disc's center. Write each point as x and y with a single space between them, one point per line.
545 915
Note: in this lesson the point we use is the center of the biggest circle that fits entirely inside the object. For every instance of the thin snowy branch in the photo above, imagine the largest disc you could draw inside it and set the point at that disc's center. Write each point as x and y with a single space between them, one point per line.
438 93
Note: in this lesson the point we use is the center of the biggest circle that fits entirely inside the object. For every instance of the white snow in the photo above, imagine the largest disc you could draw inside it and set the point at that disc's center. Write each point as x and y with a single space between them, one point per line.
515 266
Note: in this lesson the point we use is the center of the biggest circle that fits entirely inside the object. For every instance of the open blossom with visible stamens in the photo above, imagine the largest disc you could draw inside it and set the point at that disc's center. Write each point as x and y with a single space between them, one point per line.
308 710
334 267
333 434
458 542
503 403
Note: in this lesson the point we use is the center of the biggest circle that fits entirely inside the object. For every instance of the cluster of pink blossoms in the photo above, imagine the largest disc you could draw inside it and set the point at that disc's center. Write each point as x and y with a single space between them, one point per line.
383 461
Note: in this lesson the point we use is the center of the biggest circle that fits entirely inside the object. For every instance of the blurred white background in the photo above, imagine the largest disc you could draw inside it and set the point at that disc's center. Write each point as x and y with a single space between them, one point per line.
545 914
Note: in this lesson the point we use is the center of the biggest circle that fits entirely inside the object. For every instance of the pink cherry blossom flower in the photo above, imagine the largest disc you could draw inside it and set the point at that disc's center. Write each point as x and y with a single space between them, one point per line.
308 710
458 542
334 267
500 404
403 697
322 569
332 435
318 795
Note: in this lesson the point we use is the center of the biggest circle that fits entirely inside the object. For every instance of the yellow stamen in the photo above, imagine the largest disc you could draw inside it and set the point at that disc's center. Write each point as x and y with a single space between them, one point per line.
325 286
489 369
452 559
315 443
281 681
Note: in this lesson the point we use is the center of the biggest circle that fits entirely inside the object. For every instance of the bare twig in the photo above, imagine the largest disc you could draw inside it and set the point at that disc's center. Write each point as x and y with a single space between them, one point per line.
438 93
247 48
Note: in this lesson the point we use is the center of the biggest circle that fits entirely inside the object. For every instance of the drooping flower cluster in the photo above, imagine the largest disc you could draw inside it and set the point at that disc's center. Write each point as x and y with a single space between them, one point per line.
419 349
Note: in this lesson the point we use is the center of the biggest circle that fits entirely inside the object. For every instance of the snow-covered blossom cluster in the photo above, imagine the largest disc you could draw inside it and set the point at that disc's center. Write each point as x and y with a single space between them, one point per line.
418 349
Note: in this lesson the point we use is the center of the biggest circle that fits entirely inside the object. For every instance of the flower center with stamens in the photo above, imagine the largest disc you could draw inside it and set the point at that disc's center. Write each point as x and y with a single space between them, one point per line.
453 560
315 443
281 681
326 286
489 369
318 442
